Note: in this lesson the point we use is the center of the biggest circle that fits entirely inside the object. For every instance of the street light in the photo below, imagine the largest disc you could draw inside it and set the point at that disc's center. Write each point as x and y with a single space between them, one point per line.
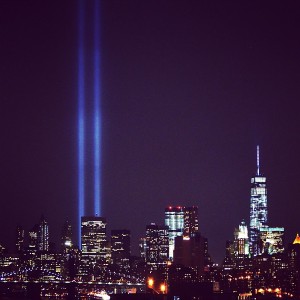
163 288
150 282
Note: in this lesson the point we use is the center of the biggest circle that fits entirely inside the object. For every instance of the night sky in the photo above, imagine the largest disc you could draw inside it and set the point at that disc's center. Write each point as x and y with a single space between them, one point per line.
189 88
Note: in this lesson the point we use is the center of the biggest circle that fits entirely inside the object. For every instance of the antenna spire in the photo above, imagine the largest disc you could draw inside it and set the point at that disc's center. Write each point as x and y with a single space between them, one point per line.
257 160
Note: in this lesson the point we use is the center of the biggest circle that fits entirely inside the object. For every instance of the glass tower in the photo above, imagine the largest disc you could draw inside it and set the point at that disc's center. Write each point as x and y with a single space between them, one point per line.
181 220
174 219
258 208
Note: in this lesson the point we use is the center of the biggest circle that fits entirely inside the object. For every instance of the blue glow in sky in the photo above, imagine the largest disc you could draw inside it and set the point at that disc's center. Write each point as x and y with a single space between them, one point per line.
81 118
97 114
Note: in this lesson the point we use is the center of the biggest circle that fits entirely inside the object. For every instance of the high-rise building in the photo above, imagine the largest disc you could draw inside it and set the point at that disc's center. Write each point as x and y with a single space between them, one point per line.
93 235
120 247
181 220
43 235
33 239
157 246
258 208
174 219
294 265
143 248
271 240
66 236
19 239
241 240
191 222
190 251
94 244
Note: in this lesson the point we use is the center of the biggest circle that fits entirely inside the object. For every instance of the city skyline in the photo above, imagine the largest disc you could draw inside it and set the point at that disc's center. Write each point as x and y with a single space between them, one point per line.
188 91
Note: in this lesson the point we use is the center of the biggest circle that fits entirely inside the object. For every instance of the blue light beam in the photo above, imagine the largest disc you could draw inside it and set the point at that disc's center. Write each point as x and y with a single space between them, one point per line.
81 119
97 113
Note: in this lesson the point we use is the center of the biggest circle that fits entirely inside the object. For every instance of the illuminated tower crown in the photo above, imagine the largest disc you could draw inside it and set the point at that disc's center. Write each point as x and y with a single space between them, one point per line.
297 239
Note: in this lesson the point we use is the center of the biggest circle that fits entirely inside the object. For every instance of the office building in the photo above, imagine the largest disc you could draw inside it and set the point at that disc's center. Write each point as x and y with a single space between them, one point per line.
94 245
190 251
33 240
143 248
157 246
191 222
241 240
19 239
174 219
271 240
43 235
120 247
66 237
93 235
181 220
258 208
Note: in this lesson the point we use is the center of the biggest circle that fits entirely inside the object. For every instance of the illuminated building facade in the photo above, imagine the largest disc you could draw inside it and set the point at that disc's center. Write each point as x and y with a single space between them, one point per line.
94 244
157 246
174 219
181 220
271 240
258 208
19 239
294 265
143 248
93 235
66 237
191 221
33 244
120 247
241 240
43 235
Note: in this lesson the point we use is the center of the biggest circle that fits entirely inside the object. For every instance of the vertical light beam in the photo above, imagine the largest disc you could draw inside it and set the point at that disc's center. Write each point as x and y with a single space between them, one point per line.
97 113
81 119
257 160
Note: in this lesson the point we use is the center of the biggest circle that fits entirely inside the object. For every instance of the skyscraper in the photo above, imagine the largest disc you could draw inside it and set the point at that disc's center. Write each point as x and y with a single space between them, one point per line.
94 245
181 220
174 219
157 246
19 239
241 240
191 223
43 235
258 208
33 239
190 251
120 247
66 237
93 235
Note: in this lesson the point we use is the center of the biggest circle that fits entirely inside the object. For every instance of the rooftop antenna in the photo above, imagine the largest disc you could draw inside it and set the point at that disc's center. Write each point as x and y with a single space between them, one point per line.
257 160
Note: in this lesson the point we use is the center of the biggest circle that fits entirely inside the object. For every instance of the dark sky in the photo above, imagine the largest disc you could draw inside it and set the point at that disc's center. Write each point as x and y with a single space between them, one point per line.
189 89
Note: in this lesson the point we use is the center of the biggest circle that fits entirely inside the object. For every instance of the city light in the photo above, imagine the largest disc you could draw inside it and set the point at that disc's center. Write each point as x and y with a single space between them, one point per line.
150 282
163 288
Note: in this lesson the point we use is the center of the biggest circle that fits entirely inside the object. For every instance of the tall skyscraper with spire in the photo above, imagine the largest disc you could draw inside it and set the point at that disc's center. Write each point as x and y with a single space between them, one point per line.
258 207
